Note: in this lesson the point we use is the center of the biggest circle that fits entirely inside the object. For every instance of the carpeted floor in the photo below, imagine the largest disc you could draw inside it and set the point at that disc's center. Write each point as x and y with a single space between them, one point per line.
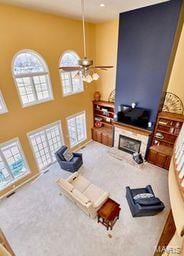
39 221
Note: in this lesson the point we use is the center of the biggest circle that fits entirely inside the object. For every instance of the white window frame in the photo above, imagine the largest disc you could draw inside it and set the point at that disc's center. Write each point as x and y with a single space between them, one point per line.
3 104
31 75
13 179
42 129
71 84
85 128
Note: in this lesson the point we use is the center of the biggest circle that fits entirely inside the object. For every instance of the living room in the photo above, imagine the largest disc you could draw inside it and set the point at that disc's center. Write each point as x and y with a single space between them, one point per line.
51 96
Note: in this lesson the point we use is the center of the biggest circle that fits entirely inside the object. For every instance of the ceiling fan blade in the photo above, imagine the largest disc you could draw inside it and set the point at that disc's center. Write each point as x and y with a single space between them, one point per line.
101 67
70 69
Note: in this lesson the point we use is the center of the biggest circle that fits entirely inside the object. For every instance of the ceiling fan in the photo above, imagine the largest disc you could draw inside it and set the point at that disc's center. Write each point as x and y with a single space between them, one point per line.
85 65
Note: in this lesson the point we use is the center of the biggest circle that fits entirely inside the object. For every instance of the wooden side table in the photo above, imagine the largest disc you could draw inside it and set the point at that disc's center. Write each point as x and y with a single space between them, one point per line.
108 214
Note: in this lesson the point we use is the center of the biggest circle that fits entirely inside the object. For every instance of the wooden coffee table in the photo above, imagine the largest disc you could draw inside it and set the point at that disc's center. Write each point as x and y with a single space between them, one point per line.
108 214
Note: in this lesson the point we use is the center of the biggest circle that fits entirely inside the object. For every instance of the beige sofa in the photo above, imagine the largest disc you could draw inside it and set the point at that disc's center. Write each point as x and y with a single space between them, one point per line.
85 195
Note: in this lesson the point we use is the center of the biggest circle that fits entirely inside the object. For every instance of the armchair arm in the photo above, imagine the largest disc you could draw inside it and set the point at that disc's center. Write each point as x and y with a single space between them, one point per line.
151 208
149 188
101 200
129 195
81 198
72 177
78 154
58 158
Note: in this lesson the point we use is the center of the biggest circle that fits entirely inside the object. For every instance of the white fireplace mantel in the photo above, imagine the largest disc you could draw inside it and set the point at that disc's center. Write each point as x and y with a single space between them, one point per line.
131 132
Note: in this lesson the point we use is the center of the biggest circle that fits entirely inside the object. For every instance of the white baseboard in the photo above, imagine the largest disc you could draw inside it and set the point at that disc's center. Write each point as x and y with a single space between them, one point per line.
17 187
83 145
37 176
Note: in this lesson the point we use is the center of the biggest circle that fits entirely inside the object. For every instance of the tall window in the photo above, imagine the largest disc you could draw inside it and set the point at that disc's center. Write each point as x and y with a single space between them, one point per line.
13 164
3 108
45 142
77 128
32 78
71 81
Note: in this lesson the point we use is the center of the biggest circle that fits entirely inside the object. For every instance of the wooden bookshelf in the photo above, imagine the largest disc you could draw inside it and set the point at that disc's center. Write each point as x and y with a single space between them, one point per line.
103 117
166 131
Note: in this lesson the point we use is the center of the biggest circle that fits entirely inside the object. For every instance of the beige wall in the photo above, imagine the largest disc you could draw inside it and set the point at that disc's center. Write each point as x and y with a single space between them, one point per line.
176 83
106 54
50 36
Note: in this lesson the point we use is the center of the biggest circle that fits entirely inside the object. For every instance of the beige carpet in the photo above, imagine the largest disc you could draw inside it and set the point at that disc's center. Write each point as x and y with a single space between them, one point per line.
40 222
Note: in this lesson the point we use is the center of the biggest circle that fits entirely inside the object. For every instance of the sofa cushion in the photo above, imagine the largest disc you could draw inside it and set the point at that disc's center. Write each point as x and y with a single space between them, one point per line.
93 192
81 183
81 197
67 155
143 195
65 185
148 201
60 152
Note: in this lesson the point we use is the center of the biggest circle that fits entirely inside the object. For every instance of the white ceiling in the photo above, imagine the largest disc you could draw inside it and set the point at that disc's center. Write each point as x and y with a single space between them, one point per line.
94 13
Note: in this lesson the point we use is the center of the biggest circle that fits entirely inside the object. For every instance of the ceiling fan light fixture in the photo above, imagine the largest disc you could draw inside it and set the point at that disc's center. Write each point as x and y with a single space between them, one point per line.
95 76
85 62
89 79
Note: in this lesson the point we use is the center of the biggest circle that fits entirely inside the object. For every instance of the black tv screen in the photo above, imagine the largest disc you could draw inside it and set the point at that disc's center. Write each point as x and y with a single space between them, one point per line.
134 116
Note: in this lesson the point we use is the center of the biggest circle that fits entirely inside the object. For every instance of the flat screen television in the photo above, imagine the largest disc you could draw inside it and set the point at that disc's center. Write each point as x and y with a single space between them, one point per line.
134 116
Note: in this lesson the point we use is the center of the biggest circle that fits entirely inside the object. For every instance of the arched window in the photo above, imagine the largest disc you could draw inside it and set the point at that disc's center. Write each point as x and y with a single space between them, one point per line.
32 78
71 81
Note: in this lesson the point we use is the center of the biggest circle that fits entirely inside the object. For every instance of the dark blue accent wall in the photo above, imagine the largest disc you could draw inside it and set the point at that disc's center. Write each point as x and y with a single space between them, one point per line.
146 38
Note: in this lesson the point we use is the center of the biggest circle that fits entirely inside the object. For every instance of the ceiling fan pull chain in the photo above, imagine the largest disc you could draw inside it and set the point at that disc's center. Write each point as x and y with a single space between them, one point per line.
84 29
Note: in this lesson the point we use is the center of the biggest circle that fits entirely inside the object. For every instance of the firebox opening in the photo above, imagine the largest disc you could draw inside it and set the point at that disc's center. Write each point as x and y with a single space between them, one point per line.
129 145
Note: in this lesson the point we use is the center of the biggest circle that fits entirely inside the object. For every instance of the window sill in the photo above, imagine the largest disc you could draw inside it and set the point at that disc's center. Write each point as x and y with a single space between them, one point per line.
14 181
72 93
36 103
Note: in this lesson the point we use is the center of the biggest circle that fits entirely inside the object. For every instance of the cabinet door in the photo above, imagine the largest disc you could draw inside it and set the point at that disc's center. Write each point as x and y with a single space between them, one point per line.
105 139
161 159
110 141
152 156
97 135
167 163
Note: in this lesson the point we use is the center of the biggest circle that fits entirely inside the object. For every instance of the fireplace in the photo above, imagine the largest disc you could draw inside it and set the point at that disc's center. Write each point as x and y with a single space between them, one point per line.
128 144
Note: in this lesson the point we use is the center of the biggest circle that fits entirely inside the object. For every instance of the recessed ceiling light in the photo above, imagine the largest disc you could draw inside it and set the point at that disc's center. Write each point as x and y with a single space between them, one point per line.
102 5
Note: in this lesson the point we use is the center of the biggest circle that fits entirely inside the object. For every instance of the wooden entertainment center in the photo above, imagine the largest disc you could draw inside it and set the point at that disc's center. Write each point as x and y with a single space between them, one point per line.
166 131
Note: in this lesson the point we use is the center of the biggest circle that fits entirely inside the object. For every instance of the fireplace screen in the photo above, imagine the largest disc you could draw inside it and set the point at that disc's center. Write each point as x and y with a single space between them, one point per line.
129 145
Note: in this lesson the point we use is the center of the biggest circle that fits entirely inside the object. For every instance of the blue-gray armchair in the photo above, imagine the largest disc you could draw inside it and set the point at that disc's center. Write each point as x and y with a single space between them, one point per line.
71 166
146 206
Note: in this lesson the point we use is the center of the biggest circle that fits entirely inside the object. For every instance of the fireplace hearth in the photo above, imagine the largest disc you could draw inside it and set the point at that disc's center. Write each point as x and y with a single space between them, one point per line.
128 144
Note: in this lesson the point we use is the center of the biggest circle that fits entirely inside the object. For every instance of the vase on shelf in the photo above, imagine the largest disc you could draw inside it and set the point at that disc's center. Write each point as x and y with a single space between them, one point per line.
97 96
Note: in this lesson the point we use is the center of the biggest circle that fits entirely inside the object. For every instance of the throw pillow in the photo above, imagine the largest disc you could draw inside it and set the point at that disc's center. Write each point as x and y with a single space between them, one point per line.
67 155
148 201
143 195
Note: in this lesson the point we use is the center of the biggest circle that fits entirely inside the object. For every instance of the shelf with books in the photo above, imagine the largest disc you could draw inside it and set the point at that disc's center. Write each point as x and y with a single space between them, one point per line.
103 116
166 131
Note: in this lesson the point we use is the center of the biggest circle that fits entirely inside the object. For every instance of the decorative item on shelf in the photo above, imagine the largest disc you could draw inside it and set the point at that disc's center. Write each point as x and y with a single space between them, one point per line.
105 111
172 103
149 124
162 122
98 124
171 130
159 135
97 96
112 96
156 142
134 104
108 120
